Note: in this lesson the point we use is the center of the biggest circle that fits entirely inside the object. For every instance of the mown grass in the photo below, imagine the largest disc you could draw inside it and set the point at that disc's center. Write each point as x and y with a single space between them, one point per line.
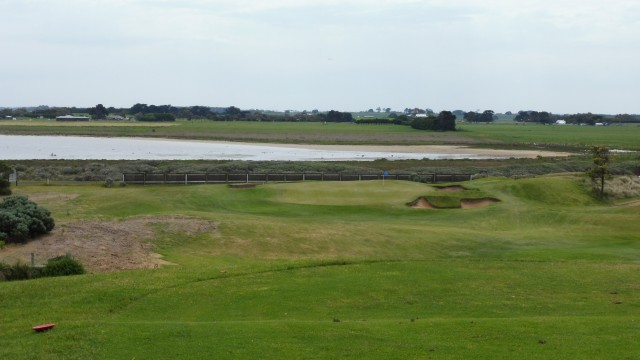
336 270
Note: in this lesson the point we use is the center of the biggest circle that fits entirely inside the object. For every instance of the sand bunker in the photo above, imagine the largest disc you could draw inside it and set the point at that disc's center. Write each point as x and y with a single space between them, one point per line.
421 203
103 246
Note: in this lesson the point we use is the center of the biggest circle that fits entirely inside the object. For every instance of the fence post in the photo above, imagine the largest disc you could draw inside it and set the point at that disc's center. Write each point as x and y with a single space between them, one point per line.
186 179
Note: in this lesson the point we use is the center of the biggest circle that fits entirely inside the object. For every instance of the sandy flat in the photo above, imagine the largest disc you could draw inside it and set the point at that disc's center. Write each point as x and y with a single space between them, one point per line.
403 149
417 149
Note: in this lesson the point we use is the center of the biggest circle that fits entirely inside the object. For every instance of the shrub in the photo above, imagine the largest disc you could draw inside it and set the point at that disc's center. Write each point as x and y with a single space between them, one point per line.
63 266
22 219
19 271
5 187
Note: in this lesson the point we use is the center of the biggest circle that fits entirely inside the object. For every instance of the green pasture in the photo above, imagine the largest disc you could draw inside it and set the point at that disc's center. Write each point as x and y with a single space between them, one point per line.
345 270
498 134
615 136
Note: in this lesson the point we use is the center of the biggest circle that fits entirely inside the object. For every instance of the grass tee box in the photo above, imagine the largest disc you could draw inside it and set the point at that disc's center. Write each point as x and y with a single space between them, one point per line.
342 270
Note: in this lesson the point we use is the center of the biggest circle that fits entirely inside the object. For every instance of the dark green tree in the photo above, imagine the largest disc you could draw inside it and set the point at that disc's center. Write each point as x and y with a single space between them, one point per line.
423 123
445 121
487 116
471 116
139 109
337 116
232 111
98 112
599 172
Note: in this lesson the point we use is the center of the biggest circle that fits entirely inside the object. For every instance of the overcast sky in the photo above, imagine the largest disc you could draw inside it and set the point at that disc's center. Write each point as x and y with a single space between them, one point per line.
563 56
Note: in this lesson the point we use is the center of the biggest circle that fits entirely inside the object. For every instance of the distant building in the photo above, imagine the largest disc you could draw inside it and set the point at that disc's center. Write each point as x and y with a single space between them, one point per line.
561 122
72 118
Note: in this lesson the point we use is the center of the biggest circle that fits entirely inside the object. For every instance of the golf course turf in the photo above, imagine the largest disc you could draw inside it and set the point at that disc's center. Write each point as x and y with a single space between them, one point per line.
342 270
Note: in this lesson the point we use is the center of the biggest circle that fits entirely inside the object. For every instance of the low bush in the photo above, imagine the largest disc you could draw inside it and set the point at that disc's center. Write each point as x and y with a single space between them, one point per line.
22 219
60 266
19 271
63 266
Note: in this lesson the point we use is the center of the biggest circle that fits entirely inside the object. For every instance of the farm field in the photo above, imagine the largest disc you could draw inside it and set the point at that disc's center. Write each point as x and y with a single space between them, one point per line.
495 135
337 270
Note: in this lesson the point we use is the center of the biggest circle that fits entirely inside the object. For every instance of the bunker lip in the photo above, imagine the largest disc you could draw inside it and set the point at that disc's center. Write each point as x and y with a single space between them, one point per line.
451 188
467 203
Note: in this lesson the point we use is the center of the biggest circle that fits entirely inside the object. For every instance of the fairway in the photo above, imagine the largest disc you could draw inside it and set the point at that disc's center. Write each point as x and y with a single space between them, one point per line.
329 270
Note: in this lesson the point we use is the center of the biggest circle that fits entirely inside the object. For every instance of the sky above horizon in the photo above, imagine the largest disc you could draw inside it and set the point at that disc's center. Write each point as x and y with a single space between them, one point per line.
562 56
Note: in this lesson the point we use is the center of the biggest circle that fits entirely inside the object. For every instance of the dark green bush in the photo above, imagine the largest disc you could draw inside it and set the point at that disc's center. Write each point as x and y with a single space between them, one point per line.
63 266
22 219
5 187
19 271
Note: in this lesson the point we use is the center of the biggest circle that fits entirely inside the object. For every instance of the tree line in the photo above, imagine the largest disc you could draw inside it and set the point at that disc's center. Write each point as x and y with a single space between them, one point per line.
145 112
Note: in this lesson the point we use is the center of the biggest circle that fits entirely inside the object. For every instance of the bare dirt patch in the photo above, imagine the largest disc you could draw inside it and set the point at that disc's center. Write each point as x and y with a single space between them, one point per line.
104 246
477 203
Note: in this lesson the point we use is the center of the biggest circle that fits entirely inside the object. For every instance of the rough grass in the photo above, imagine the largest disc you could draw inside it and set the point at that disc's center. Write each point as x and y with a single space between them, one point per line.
325 270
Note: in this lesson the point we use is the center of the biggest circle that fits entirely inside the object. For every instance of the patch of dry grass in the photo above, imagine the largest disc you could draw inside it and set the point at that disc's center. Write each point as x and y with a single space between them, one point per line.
623 187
